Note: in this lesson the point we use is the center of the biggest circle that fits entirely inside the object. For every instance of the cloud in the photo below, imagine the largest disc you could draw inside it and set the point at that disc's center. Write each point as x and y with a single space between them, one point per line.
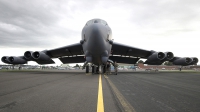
46 24
31 24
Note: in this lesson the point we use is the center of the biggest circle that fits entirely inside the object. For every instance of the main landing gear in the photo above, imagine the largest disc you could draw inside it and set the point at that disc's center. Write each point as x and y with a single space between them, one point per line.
87 69
95 69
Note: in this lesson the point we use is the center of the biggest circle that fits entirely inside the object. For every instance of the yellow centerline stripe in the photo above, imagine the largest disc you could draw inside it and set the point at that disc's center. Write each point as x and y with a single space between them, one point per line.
100 105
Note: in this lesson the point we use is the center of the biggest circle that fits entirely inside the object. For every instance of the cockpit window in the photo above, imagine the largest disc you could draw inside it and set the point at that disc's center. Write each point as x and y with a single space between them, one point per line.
96 21
103 22
89 22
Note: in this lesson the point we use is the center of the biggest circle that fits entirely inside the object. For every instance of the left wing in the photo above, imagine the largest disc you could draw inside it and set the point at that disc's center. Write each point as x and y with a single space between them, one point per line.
45 57
128 54
125 50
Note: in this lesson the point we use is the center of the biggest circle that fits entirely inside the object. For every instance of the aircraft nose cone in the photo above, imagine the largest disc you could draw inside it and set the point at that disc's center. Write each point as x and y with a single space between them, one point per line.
96 30
96 39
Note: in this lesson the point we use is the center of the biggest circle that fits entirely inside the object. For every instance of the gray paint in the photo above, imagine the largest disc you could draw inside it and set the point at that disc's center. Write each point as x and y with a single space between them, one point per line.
96 44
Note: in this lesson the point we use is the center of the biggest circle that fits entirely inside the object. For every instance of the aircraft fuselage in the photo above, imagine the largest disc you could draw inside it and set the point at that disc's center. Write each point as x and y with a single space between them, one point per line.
96 35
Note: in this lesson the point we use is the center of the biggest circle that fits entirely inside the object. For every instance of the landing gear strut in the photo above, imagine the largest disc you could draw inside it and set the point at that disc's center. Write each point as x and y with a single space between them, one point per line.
103 69
95 69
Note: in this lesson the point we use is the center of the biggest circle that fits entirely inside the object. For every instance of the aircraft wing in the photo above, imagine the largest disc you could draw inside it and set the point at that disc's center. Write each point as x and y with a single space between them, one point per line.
128 54
45 57
125 50
70 50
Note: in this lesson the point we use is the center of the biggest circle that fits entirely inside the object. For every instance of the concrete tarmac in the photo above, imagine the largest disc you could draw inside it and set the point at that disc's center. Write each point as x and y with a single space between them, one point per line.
64 91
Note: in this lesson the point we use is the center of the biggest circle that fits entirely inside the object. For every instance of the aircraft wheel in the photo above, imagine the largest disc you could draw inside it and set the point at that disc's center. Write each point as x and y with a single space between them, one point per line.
92 69
87 69
97 69
103 69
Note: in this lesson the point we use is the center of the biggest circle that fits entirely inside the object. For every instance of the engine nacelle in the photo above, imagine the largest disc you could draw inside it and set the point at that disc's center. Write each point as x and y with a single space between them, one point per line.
168 56
40 56
16 60
194 60
5 59
182 61
156 57
28 55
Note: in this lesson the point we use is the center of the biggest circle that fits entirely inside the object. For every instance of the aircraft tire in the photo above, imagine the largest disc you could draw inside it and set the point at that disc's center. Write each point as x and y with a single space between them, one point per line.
92 69
87 69
97 69
104 69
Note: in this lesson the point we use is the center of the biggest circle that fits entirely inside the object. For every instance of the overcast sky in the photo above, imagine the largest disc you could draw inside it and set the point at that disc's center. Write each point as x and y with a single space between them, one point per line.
167 25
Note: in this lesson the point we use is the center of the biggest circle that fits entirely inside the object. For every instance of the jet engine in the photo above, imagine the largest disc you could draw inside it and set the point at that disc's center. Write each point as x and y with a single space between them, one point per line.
194 60
41 57
155 57
168 56
28 55
182 61
16 60
5 59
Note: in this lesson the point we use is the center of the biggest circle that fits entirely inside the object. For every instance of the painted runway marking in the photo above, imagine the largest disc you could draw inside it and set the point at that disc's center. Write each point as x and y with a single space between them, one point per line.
125 104
100 104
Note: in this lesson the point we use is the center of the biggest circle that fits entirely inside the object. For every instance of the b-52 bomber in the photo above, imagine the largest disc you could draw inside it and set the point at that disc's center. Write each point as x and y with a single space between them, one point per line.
97 47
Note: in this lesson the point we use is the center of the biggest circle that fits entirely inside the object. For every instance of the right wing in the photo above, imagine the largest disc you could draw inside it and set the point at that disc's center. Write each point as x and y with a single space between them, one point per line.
70 50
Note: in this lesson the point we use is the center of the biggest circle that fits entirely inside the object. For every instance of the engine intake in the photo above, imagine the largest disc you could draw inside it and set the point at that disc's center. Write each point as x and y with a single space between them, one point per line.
5 59
16 60
41 58
183 61
28 55
168 56
155 57
194 60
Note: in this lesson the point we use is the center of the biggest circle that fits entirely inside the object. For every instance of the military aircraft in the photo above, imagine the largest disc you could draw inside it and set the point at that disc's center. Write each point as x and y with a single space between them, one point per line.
97 47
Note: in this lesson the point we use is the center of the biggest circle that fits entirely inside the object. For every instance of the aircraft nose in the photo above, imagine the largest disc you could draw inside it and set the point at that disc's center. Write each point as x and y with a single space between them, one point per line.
96 30
96 37
97 34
